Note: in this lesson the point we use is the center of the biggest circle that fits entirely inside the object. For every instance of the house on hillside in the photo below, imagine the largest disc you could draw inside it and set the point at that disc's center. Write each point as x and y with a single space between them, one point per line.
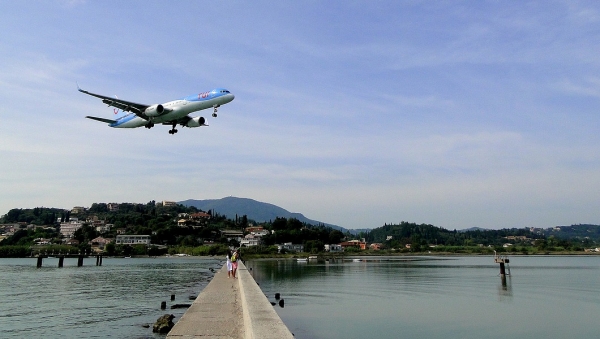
354 243
334 248
68 228
250 240
99 243
133 239
289 247
232 235
375 246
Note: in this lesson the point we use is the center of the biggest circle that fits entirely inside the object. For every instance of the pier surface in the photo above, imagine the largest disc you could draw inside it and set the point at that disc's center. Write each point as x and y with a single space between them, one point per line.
233 309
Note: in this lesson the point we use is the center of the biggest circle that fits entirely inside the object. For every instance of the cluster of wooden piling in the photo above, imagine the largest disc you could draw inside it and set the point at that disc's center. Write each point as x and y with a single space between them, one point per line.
61 259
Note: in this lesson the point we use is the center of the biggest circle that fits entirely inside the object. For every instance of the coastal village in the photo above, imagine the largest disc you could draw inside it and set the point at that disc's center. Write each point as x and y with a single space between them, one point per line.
250 236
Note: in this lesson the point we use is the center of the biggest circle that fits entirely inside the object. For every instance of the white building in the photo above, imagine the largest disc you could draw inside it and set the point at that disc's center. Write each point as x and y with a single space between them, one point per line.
250 240
288 246
334 248
260 233
133 240
68 228
104 228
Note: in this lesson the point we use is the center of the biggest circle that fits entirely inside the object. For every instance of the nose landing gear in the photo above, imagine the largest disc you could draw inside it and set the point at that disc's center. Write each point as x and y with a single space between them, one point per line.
215 111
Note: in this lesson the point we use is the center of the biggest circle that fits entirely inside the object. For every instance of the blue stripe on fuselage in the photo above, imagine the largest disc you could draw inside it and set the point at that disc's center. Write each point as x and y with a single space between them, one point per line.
215 93
123 120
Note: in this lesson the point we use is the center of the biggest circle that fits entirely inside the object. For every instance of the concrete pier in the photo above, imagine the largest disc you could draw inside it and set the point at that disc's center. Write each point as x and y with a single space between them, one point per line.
233 309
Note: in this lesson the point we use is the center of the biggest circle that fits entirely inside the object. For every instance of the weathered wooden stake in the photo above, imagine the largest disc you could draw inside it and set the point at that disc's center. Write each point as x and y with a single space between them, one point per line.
39 262
502 260
61 261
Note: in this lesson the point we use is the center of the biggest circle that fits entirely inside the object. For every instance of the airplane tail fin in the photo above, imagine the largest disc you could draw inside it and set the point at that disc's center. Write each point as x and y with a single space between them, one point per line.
117 113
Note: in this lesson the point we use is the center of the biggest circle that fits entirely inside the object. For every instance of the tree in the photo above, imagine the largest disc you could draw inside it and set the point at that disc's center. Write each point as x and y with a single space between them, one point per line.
335 237
110 248
85 234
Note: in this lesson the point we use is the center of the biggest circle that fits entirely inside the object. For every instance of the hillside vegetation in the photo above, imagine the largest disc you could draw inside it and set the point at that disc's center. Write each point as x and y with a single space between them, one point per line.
205 238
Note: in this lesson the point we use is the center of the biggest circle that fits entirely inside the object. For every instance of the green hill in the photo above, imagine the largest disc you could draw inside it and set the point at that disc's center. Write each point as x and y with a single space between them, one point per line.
254 210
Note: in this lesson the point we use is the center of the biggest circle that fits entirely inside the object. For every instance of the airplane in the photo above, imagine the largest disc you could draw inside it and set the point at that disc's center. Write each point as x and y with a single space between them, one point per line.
172 113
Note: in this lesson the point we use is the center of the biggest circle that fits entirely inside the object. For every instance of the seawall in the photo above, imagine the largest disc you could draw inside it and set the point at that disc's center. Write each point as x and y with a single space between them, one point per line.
231 308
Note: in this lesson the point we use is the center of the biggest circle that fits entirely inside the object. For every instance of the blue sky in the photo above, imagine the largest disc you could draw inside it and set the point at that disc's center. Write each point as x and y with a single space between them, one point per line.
356 113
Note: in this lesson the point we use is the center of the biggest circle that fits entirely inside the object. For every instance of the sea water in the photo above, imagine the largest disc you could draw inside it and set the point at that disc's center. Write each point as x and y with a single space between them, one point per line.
435 297
119 299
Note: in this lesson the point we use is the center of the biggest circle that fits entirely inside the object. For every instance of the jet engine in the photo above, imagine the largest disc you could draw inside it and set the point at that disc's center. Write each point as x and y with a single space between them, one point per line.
154 110
195 122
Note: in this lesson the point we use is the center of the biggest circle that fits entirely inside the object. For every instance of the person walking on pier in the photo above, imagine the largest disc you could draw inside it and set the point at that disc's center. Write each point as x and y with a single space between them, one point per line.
229 264
234 264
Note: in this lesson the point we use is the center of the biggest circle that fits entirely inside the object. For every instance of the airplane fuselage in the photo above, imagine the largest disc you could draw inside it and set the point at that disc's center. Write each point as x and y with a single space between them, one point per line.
177 109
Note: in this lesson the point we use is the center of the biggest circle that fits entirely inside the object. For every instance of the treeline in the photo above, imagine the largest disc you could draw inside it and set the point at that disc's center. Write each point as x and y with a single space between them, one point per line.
314 238
36 216
425 234
160 223
421 237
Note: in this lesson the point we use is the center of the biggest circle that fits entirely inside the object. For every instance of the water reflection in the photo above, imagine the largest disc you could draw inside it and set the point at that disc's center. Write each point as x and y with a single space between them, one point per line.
433 297
505 288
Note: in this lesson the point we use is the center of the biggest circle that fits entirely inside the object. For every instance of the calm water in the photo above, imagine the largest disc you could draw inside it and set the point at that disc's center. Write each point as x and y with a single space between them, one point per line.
458 297
114 300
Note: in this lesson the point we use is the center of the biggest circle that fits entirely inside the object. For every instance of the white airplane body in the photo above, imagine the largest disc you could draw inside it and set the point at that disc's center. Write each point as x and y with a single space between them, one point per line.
172 113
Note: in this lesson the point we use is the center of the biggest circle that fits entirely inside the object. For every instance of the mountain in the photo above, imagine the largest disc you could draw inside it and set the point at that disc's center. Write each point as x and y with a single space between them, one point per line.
254 210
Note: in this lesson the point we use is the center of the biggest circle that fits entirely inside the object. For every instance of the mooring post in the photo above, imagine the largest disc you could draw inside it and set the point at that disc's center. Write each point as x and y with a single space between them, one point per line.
61 261
502 261
39 261
80 261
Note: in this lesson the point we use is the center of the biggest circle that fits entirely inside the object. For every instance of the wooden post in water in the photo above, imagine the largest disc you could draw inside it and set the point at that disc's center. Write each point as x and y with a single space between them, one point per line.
80 261
39 261
502 260
61 261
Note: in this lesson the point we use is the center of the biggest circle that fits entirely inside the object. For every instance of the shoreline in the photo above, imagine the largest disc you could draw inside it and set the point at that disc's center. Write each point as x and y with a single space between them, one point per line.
346 255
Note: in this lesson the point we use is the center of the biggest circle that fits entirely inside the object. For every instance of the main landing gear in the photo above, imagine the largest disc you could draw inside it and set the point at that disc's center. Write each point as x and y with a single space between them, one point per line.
215 111
173 130
149 125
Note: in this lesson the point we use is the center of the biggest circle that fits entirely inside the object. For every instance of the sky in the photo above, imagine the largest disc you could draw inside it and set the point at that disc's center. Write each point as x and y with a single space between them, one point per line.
355 113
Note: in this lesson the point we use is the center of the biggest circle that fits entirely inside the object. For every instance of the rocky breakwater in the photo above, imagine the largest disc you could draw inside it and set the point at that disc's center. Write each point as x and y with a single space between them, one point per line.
163 324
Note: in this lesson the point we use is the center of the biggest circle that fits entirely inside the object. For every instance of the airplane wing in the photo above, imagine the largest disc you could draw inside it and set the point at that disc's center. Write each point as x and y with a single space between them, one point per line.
123 105
108 121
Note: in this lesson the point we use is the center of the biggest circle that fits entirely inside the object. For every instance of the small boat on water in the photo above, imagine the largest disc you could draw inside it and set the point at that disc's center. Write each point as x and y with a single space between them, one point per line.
302 259
313 257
